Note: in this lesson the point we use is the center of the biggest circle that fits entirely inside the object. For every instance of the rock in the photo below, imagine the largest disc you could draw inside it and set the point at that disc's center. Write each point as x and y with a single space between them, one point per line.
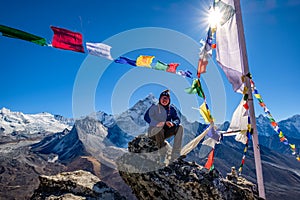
177 180
74 185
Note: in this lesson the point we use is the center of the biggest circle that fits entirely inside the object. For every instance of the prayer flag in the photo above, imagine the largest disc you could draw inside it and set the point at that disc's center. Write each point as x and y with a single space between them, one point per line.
239 121
196 88
124 60
271 119
266 110
245 90
293 146
210 142
246 106
67 40
144 61
274 124
226 10
161 66
99 49
172 67
282 139
185 73
202 63
205 113
262 104
280 134
213 134
228 52
205 50
258 96
192 144
15 33
210 161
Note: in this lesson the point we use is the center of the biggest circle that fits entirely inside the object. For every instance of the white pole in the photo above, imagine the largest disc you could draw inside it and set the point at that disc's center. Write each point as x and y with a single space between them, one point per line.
256 149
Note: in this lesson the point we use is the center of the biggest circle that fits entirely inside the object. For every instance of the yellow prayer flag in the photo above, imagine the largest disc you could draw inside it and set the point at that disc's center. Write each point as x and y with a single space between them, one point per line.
144 61
205 113
280 134
293 146
245 90
249 127
257 96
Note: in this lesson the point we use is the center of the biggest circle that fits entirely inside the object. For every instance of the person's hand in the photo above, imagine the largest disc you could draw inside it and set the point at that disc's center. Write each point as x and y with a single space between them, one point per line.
169 124
160 124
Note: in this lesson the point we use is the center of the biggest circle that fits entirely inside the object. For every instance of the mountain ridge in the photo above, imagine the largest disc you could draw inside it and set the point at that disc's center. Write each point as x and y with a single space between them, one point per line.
104 137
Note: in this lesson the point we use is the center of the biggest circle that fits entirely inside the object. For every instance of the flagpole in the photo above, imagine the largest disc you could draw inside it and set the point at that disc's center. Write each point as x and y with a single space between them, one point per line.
256 148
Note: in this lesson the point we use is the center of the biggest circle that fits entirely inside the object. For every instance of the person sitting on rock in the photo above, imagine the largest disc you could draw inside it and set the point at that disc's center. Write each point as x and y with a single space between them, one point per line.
163 123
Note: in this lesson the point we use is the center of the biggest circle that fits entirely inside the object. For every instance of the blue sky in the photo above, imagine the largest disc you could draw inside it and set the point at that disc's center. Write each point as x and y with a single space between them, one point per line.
37 79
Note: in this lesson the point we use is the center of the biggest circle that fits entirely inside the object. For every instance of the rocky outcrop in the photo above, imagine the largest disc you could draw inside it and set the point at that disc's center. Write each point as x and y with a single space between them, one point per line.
74 185
178 179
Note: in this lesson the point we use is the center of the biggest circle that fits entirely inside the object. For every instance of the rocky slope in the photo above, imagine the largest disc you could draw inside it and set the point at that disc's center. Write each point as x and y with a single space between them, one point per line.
19 171
179 179
95 143
74 185
87 146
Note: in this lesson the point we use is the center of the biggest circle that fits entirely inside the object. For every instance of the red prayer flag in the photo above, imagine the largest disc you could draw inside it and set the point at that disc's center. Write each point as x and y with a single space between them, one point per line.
68 40
172 67
262 104
274 124
201 67
210 160
243 161
246 106
282 139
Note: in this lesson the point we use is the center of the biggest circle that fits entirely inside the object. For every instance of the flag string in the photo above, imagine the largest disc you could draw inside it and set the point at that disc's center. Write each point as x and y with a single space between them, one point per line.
274 124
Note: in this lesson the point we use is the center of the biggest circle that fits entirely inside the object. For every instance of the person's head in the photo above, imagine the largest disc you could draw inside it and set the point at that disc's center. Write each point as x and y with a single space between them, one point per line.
164 98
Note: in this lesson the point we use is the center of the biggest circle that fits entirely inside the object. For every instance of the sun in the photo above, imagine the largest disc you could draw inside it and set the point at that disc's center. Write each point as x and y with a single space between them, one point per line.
214 17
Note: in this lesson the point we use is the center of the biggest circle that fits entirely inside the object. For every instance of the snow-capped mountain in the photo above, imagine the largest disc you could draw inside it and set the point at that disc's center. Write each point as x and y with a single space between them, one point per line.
29 123
105 137
87 137
290 127
132 121
264 127
64 120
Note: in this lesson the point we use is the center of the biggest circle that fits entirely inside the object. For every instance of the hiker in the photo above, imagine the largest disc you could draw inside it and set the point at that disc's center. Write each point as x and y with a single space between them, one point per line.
164 123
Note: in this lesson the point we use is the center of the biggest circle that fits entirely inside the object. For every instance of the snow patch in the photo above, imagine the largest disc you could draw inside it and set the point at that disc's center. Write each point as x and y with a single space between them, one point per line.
29 123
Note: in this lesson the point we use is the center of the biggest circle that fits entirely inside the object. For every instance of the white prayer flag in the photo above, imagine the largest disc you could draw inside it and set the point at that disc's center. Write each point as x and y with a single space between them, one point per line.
99 49
228 52
239 121
192 144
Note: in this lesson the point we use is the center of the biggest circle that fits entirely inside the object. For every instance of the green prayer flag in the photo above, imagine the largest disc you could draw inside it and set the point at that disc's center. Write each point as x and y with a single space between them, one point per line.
161 66
15 33
196 88
272 119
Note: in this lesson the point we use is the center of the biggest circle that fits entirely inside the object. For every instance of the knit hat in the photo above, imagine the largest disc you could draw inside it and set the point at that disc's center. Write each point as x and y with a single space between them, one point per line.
165 93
